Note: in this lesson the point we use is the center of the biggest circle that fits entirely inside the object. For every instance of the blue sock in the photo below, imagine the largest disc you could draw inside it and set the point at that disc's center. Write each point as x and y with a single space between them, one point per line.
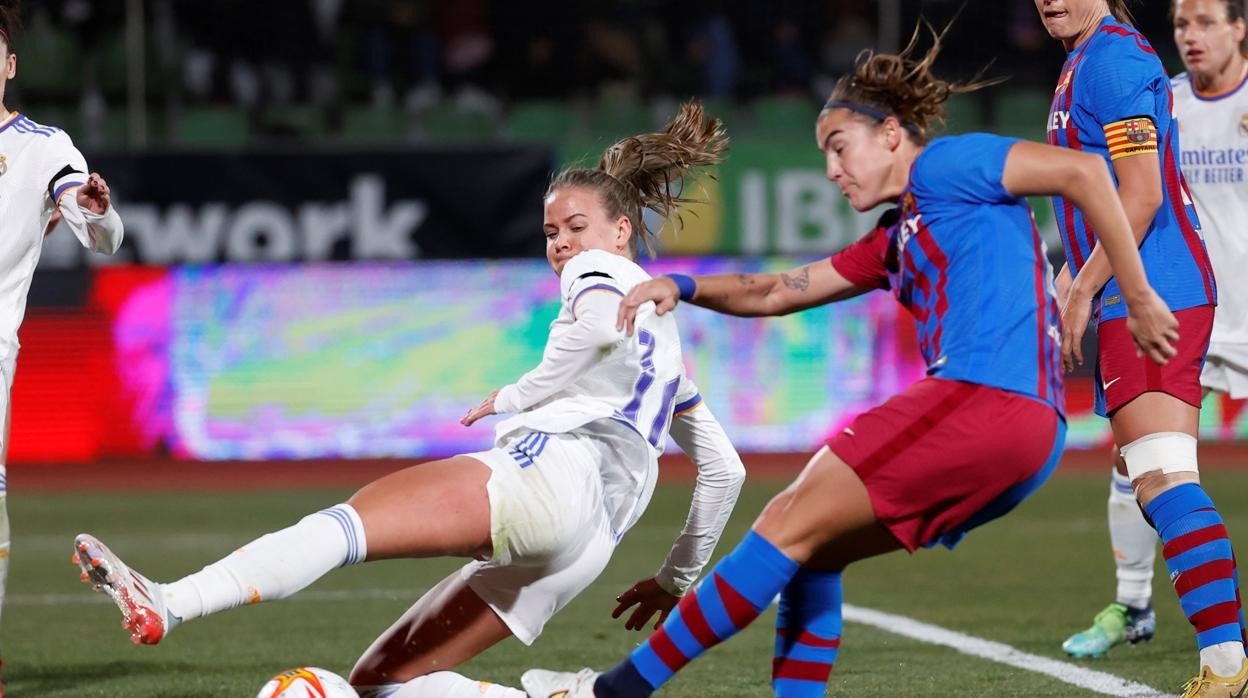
1202 567
739 588
808 634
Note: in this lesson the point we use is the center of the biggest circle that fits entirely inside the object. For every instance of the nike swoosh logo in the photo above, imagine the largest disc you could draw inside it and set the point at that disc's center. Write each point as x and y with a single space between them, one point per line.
1106 384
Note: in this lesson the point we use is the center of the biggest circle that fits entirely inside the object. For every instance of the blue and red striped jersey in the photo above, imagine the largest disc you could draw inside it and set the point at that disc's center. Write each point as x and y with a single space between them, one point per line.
1113 99
965 258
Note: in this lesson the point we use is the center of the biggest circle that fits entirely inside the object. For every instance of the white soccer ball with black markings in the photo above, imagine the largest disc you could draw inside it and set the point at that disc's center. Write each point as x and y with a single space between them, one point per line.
307 682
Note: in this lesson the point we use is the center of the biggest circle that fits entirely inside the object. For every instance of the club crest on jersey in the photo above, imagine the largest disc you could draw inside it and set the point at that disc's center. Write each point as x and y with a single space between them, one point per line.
4 163
1243 131
1138 130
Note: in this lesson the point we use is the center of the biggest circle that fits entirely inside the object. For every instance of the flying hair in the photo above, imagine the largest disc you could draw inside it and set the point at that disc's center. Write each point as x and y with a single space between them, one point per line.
647 170
903 86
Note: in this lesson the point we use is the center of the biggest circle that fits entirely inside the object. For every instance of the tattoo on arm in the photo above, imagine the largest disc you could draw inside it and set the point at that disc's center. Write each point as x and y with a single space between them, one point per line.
746 279
798 281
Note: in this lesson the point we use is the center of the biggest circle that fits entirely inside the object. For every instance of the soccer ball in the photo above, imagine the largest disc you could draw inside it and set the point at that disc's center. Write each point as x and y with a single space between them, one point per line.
307 682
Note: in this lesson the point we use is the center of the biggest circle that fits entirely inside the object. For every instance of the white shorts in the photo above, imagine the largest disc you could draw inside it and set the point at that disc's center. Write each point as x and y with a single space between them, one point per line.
1225 374
551 533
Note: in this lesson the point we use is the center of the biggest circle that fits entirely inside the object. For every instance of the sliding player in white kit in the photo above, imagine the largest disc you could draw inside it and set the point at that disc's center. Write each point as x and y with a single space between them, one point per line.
541 512
1211 105
43 180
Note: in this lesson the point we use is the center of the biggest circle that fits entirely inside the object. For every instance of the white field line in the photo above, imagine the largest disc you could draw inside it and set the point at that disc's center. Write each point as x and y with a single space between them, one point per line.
1098 681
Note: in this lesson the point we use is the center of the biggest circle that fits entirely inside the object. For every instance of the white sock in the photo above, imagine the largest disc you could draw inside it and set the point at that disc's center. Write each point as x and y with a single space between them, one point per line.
1224 659
440 684
1134 542
273 566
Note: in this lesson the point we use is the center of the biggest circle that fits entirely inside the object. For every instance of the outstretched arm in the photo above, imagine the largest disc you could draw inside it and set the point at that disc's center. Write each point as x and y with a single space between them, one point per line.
755 295
720 476
744 295
565 359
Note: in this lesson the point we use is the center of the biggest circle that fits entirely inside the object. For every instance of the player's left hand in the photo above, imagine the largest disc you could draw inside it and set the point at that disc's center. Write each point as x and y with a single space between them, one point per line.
1076 314
94 194
485 409
649 598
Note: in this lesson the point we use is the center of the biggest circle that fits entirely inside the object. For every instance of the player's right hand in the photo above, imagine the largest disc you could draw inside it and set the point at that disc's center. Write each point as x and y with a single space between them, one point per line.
1153 327
485 409
662 291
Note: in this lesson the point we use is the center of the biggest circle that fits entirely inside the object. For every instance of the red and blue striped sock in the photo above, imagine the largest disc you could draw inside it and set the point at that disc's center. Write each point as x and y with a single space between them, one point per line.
808 634
1202 566
737 590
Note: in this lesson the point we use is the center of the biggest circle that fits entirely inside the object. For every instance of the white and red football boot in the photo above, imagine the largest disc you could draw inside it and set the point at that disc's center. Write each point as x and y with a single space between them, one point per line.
141 600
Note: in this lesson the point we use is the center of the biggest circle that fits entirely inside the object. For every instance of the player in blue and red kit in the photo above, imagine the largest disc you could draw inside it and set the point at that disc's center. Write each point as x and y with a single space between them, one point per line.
960 447
1113 100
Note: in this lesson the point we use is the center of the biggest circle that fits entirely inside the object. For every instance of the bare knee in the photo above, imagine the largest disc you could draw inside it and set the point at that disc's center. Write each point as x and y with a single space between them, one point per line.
446 627
1149 485
366 673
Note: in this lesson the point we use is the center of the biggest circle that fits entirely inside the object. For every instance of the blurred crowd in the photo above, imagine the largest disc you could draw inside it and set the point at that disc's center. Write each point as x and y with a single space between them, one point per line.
482 55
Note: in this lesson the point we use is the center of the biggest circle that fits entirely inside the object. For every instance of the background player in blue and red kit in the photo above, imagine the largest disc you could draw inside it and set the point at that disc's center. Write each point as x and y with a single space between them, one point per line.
1113 99
1209 102
957 449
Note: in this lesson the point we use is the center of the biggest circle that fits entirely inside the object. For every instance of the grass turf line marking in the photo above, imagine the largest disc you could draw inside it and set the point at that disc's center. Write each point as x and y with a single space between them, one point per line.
1098 681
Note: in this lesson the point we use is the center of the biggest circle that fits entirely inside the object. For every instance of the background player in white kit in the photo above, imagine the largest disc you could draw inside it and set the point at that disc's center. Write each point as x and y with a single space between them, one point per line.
542 512
1211 104
43 180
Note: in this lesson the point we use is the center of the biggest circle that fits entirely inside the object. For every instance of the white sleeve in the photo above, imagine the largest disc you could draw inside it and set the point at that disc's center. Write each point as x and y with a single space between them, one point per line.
720 476
66 170
567 357
98 232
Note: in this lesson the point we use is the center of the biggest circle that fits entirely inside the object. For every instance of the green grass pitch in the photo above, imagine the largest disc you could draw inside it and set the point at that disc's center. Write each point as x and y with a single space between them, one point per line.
1026 580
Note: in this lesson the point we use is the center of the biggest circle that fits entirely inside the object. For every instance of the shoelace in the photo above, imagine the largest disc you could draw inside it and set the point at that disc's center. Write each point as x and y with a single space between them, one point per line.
1193 685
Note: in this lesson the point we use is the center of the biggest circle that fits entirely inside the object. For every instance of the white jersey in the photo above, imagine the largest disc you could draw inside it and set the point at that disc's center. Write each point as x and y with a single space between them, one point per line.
1214 140
594 377
38 165
636 380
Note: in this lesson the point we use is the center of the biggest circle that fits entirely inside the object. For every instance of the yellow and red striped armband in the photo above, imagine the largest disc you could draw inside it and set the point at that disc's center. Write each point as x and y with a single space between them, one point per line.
1134 136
